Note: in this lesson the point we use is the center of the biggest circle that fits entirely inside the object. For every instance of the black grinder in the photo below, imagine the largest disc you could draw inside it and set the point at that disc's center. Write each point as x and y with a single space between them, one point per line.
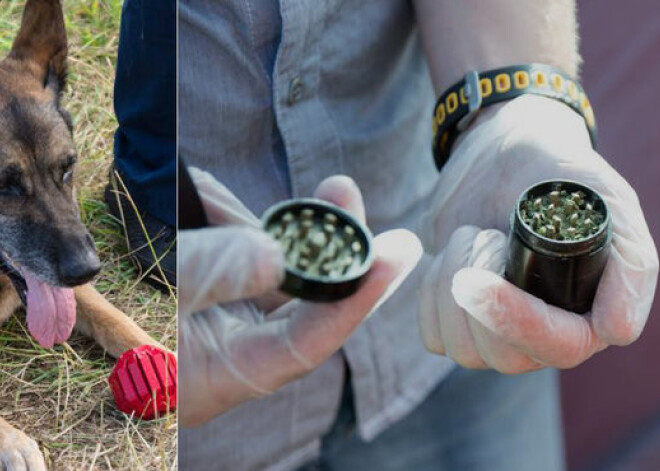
559 243
327 251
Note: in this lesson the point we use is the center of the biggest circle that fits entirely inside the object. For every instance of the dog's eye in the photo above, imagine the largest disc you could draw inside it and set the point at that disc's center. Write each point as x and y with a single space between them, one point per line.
68 175
67 169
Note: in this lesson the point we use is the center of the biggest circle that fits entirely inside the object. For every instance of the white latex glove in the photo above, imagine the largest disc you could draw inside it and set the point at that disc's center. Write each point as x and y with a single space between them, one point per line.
469 312
235 351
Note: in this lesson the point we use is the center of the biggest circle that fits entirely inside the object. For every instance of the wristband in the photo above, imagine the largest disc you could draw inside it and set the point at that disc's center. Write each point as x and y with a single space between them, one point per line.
460 104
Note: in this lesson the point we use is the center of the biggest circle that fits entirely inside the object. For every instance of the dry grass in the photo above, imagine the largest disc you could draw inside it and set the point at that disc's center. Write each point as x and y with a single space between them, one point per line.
60 397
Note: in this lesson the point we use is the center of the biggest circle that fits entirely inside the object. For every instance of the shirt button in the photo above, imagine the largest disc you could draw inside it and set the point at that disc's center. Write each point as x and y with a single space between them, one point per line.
296 90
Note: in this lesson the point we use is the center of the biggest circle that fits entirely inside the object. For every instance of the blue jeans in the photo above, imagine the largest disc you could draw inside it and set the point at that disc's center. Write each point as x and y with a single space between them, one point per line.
145 104
473 421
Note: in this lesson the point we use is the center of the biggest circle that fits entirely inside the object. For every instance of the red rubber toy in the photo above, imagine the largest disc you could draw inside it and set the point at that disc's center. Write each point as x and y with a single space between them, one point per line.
143 382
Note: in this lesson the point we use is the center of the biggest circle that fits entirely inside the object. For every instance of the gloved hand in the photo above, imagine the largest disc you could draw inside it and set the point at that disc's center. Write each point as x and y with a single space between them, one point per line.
236 351
468 311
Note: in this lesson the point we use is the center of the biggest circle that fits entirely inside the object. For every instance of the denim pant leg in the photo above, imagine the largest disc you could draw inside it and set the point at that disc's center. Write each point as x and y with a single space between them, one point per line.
473 421
145 104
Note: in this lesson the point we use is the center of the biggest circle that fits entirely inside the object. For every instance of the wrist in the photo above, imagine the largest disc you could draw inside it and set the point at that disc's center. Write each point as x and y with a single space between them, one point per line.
478 35
461 103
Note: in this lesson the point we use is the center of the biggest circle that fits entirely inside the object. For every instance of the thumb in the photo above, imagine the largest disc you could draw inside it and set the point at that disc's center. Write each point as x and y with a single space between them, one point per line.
315 331
224 264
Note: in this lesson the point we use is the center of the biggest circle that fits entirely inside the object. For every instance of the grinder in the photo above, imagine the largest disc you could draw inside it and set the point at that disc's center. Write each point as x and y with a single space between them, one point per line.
327 251
559 243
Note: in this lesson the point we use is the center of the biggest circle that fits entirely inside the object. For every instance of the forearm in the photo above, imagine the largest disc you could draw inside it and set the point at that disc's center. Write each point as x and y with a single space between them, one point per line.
463 35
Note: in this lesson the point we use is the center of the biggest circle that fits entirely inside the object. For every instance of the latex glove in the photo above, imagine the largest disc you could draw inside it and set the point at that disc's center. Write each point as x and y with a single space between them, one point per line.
233 352
468 311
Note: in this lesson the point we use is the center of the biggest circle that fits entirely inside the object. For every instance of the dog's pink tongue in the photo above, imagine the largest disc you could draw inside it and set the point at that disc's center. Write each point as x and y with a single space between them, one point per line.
51 311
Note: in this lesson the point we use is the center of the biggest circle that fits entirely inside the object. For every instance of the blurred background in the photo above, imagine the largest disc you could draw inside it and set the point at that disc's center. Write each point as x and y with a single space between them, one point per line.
612 403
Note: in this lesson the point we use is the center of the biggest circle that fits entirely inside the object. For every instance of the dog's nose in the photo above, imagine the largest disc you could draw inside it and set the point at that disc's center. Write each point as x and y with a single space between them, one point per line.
78 265
77 270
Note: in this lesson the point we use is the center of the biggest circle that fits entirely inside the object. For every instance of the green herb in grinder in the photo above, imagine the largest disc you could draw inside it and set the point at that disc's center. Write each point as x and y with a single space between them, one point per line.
561 215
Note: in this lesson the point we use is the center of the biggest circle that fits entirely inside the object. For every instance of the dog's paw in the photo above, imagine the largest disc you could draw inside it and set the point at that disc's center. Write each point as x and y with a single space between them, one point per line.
18 452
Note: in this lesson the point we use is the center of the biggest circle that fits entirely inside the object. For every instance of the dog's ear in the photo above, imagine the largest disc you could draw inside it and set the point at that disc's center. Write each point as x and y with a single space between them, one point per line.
41 45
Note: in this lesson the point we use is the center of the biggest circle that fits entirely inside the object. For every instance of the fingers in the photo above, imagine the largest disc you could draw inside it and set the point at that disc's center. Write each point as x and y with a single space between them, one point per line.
625 293
343 192
220 205
312 332
213 347
453 324
499 355
446 327
218 265
546 333
489 252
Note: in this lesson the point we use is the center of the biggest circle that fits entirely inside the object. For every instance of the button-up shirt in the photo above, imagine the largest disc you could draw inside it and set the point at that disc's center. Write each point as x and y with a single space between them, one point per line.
275 96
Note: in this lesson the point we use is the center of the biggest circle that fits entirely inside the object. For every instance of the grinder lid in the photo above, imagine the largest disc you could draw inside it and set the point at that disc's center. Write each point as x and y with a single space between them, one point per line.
327 251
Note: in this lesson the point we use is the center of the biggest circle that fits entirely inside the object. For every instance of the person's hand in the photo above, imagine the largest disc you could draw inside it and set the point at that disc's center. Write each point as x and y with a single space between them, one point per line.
468 311
235 351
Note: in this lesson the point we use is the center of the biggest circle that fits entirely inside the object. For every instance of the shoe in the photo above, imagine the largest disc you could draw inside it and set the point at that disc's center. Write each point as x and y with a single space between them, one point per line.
152 243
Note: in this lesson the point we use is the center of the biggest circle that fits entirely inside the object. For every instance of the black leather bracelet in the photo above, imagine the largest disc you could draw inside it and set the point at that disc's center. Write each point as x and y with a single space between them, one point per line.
460 104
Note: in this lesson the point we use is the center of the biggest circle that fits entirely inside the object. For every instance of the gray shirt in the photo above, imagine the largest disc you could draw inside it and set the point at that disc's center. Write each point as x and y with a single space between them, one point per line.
275 96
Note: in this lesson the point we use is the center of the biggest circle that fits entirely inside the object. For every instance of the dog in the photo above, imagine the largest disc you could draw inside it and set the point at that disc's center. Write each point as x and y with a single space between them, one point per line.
48 256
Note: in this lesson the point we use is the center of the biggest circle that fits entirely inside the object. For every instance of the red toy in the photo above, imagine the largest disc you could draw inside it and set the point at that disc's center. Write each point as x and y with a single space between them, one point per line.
143 382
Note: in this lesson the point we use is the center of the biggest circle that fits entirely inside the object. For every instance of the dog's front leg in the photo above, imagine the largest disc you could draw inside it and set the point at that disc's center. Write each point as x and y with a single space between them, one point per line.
9 300
18 451
106 324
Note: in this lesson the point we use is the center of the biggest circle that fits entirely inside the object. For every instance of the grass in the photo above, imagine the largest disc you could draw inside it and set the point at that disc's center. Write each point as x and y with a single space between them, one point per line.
60 397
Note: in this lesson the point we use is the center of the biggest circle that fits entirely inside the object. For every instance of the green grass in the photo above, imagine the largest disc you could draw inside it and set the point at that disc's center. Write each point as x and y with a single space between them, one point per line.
60 397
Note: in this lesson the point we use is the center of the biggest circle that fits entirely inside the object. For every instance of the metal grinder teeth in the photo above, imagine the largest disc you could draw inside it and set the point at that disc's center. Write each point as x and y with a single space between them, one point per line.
318 243
561 215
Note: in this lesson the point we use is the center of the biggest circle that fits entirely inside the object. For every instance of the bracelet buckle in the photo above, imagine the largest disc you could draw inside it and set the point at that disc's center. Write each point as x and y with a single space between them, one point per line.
473 94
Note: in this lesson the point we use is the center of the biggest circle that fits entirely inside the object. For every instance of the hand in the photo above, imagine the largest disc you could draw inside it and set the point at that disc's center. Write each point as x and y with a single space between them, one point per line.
469 312
238 350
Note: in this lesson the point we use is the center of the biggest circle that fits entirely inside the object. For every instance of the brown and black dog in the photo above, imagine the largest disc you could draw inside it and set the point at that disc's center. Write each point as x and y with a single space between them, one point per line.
46 251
